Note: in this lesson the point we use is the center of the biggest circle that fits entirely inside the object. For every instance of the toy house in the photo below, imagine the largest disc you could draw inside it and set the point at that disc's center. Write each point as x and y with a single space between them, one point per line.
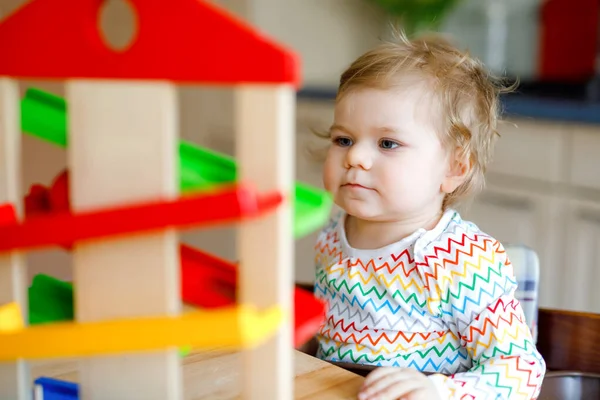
123 204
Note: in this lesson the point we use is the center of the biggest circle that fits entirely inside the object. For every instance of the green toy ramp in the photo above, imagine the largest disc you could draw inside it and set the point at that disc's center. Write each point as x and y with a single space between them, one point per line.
44 115
50 300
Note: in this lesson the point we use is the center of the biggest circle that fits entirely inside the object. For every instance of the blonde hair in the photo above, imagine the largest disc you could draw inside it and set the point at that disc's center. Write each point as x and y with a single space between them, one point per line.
467 92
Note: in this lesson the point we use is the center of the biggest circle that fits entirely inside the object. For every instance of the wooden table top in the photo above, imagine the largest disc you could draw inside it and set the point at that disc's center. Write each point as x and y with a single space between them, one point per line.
215 374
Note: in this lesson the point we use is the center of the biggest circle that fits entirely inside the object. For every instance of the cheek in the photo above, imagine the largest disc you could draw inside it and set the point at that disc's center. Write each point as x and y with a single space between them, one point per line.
331 171
408 174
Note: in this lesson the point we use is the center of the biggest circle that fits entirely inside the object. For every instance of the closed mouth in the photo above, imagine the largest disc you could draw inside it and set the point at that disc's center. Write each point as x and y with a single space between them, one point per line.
355 186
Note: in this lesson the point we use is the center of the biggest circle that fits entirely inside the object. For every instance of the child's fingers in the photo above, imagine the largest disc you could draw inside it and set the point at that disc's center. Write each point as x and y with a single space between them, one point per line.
397 390
378 374
377 386
383 371
382 378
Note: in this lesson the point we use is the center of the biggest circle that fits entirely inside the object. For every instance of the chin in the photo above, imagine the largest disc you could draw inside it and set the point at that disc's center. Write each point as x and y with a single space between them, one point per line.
363 212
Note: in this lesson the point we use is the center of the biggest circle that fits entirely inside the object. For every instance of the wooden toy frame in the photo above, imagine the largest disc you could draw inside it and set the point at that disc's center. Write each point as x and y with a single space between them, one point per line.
124 113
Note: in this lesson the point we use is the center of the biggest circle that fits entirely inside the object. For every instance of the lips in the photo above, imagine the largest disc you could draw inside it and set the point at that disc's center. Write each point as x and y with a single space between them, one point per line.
355 186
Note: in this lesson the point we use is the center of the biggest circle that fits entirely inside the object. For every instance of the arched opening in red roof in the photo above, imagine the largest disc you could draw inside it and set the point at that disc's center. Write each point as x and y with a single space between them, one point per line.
122 14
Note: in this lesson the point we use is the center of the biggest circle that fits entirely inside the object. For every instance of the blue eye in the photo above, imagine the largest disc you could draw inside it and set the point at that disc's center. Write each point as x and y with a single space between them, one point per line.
343 141
388 144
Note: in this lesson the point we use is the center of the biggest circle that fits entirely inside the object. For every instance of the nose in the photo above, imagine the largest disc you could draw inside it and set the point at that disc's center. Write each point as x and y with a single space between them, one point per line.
359 156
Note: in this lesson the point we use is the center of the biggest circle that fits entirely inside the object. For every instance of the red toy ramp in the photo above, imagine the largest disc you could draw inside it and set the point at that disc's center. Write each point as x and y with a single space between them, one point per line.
209 282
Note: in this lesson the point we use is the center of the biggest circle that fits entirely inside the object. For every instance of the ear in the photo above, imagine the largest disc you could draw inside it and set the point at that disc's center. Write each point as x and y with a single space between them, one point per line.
459 168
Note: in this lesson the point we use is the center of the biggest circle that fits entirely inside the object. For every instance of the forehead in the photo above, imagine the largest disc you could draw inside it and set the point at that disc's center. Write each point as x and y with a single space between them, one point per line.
405 105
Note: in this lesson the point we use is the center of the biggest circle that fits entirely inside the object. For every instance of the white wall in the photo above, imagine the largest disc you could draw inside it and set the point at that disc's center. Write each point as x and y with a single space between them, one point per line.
328 34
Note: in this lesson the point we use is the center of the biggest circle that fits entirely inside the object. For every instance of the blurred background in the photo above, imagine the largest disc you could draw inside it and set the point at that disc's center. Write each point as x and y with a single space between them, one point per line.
543 188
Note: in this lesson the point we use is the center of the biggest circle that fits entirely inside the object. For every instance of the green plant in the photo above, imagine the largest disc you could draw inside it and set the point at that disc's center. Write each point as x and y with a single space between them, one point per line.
414 15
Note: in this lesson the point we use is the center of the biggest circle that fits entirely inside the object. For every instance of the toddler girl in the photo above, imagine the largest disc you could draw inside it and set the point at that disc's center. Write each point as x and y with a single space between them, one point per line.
410 286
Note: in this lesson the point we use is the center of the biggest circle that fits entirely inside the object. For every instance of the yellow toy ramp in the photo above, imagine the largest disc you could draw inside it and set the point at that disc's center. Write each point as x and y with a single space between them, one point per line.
240 326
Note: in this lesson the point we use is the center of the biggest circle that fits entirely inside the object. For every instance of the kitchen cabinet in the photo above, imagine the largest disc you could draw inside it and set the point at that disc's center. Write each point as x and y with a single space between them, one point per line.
580 280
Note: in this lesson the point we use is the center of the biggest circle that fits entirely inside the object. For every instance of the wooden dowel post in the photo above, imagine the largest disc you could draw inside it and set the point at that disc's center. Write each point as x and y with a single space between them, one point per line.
123 149
14 376
265 151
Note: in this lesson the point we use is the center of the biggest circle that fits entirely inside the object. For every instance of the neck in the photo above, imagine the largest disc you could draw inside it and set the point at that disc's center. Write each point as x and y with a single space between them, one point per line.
367 234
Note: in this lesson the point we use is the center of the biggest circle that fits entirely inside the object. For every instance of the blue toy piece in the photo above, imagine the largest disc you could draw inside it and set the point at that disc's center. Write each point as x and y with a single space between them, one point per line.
54 389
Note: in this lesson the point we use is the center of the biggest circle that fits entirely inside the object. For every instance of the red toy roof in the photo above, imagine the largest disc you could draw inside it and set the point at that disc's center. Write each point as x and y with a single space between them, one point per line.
177 40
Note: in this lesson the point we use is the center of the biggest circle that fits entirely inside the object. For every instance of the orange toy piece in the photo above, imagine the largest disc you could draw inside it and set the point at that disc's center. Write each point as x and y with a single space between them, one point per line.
161 50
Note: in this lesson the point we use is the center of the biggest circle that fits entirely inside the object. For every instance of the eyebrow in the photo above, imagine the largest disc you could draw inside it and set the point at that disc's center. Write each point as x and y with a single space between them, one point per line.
382 129
340 128
389 129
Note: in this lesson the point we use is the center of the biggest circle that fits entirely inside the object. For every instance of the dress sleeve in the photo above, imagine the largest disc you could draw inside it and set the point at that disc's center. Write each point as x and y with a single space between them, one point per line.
478 304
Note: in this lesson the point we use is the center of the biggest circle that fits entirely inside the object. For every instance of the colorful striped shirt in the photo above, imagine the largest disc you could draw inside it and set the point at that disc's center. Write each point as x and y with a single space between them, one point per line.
439 301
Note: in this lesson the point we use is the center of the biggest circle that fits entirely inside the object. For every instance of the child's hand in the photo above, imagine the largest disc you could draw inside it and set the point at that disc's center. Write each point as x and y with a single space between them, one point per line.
391 383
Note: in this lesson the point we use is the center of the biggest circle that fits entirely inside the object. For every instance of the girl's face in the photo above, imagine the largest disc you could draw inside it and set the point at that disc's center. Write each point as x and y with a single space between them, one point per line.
386 161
